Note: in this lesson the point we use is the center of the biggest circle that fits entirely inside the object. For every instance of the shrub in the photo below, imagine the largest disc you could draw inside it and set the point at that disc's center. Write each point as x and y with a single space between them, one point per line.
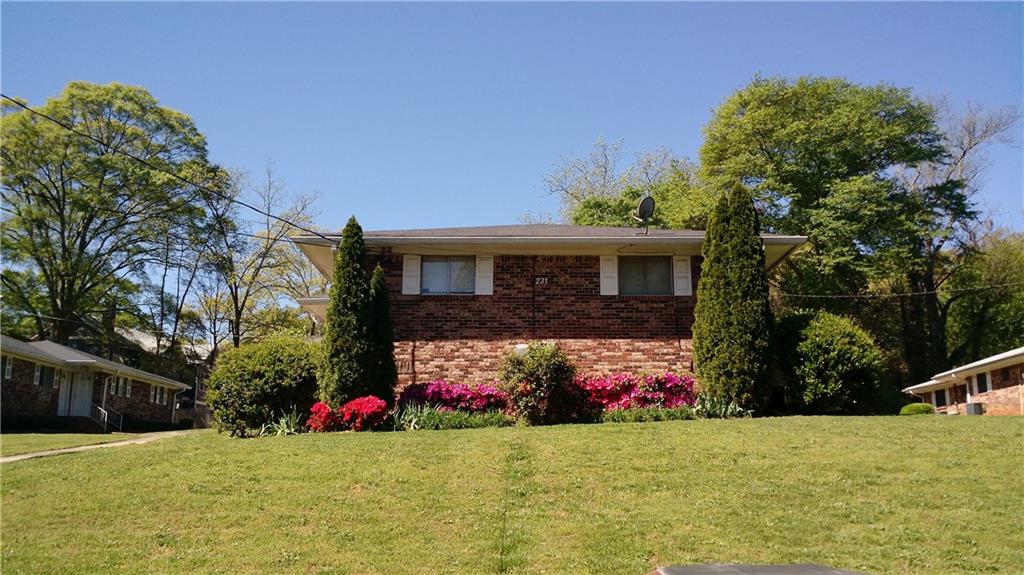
715 407
413 417
732 317
917 409
322 418
382 373
541 389
364 413
346 349
826 364
644 414
451 396
627 391
251 383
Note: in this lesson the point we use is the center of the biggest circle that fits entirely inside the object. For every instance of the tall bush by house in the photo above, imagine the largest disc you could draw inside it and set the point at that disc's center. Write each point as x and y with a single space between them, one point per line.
343 374
382 374
732 324
541 388
826 364
258 382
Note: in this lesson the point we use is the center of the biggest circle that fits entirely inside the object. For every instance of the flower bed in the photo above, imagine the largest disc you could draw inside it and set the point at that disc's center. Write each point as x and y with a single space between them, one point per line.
629 391
361 414
454 396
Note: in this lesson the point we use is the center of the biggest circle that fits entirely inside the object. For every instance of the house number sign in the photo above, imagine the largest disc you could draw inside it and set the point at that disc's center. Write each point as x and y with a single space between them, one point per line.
540 281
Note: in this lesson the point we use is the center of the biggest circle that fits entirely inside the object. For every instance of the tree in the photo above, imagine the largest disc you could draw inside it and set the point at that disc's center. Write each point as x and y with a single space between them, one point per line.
382 374
732 324
343 374
81 218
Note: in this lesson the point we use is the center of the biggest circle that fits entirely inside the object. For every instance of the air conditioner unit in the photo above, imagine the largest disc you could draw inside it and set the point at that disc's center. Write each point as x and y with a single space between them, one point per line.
975 409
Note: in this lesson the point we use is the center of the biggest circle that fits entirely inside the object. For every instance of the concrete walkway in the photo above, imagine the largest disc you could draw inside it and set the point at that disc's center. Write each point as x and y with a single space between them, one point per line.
144 438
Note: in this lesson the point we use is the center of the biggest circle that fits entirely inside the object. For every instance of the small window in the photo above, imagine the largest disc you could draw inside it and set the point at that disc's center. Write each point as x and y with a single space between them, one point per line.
645 275
47 376
8 367
1005 375
940 398
448 275
982 382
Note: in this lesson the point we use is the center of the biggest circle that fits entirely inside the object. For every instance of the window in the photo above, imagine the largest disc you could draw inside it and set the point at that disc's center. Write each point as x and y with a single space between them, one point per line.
46 375
645 275
940 398
448 275
157 394
8 366
121 386
982 382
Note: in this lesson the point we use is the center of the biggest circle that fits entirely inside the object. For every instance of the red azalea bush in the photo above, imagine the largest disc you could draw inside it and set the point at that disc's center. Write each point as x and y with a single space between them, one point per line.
454 396
627 391
323 418
364 413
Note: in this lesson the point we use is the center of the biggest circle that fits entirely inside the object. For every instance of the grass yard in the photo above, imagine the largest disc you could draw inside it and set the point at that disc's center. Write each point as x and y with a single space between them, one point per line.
15 443
883 495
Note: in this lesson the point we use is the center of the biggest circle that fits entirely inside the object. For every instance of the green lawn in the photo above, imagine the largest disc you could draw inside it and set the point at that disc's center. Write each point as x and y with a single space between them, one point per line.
15 443
884 495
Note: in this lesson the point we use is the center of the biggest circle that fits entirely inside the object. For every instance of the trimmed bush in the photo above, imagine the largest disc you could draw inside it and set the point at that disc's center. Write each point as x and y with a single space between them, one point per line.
731 331
826 364
322 418
540 385
414 417
917 409
252 383
645 414
381 371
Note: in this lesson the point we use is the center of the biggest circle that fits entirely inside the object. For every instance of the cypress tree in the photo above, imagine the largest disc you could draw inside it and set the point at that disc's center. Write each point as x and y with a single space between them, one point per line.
343 367
383 373
733 320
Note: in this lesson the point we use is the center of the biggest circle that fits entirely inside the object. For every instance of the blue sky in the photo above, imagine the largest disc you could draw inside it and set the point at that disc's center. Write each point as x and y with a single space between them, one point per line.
421 115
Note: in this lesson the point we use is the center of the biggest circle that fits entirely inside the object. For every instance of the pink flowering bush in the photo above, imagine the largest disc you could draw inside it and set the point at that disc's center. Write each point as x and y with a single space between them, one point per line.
627 391
454 396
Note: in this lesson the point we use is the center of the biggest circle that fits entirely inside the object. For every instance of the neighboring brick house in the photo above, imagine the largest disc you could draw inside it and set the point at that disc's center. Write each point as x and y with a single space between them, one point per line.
996 383
42 380
615 299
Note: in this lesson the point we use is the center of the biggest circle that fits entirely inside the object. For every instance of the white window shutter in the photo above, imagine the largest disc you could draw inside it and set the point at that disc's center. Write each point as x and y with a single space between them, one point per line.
609 275
681 278
484 275
35 378
411 275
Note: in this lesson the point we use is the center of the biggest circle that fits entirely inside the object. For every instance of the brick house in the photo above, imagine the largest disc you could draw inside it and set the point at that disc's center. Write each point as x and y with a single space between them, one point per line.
42 382
995 383
615 299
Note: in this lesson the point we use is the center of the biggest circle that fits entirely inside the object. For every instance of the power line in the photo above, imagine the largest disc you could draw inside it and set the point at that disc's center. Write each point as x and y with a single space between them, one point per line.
149 165
895 295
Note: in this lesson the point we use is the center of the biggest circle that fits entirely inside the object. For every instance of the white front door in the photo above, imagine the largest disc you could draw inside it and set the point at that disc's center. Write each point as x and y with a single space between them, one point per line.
81 394
63 395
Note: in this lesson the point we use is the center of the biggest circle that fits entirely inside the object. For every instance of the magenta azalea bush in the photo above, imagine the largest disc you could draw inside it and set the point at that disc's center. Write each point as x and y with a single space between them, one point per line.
627 390
452 396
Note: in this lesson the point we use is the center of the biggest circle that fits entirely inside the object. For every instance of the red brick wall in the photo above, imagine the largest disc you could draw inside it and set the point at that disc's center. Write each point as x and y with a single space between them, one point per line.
462 338
20 397
138 406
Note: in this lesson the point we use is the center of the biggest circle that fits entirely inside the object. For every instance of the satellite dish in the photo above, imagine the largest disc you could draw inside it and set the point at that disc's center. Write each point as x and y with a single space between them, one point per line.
644 211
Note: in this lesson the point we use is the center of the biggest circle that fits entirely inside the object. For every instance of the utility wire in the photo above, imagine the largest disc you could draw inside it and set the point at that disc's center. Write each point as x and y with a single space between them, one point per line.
149 165
895 295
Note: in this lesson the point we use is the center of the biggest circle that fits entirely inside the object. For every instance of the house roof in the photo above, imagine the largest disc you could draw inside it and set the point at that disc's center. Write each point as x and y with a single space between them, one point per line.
534 239
960 374
63 356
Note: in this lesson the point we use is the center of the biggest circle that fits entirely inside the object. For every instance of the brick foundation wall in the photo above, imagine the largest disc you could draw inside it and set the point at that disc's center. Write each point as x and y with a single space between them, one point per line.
20 397
463 338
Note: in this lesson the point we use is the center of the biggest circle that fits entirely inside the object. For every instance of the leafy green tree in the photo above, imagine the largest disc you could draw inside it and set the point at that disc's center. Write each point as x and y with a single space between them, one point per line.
382 373
79 220
732 328
344 371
